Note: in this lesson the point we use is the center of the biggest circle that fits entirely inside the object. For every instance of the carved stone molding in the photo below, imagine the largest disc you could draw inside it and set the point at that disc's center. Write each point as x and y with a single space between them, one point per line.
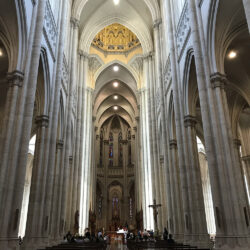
149 55
183 30
218 80
189 121
157 23
42 121
74 22
50 30
83 54
237 142
161 159
246 158
124 142
133 137
70 159
97 137
106 142
15 78
167 73
59 144
135 128
137 118
93 118
173 144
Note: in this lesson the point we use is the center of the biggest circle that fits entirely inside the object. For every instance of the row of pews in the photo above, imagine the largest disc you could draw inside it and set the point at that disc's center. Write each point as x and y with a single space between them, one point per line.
79 246
160 244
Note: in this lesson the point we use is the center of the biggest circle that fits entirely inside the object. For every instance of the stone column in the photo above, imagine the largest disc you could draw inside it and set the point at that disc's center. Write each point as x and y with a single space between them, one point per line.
105 166
159 96
70 106
35 222
51 137
246 161
125 172
11 205
182 154
176 196
55 209
246 4
199 230
15 80
78 139
231 177
152 132
70 192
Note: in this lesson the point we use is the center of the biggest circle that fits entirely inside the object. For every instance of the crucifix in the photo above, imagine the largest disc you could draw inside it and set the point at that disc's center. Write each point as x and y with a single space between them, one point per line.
155 207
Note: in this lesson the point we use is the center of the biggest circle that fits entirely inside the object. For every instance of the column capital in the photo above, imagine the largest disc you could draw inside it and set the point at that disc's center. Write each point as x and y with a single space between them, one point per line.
135 128
124 142
106 142
173 144
157 23
15 78
71 159
59 144
75 22
218 80
133 136
161 159
93 118
137 118
42 121
148 55
83 54
189 121
97 137
245 158
237 142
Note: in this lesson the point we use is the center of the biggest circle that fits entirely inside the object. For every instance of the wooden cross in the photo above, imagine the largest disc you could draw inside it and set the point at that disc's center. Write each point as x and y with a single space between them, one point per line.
155 207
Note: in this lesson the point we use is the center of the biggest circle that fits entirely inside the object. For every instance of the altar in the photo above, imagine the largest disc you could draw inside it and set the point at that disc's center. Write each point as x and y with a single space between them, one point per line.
117 237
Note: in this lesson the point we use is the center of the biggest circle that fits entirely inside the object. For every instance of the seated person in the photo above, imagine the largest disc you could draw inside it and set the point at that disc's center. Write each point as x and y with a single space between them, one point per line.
68 237
165 234
87 234
170 240
145 234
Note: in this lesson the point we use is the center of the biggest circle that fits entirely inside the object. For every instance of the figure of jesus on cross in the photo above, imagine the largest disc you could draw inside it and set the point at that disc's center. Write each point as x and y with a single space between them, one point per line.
155 207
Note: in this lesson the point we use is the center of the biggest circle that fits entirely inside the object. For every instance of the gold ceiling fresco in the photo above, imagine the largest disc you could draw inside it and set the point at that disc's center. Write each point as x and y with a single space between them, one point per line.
116 38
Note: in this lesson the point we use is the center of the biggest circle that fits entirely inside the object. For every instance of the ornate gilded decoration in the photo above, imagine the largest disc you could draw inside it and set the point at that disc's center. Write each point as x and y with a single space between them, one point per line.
116 38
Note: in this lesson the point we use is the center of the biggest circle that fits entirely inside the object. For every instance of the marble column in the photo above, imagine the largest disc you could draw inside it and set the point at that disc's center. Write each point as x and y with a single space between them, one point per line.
246 4
35 223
